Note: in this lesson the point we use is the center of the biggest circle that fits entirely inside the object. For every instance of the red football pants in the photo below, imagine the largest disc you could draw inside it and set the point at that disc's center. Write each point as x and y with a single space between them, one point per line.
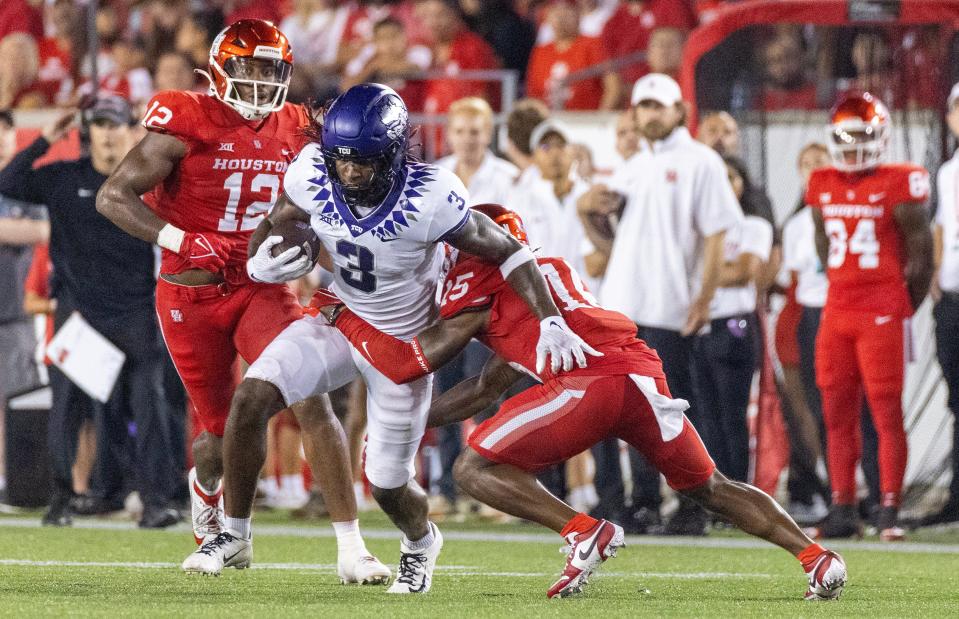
206 327
555 421
856 350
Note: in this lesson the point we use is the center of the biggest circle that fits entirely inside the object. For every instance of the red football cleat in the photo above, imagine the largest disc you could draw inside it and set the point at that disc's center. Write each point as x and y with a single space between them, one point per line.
588 550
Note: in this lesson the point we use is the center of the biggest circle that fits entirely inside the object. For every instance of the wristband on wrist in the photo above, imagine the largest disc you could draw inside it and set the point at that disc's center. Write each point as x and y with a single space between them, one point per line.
170 237
519 258
336 314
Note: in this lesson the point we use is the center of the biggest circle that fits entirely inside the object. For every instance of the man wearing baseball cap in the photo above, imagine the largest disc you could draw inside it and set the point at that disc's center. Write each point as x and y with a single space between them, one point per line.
945 295
664 259
107 277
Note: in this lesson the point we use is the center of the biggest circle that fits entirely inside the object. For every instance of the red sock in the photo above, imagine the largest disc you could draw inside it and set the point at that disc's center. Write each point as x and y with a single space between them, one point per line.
809 555
579 523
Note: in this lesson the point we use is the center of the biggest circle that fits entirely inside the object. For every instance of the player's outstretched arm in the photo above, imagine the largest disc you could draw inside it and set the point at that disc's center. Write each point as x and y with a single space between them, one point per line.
473 395
401 361
144 167
484 239
913 223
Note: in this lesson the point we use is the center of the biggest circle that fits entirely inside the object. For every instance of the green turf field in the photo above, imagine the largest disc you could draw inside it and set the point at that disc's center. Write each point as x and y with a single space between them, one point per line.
484 571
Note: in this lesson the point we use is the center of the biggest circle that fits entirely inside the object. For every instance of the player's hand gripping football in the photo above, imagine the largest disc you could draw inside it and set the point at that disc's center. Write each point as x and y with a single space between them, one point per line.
559 342
205 251
263 266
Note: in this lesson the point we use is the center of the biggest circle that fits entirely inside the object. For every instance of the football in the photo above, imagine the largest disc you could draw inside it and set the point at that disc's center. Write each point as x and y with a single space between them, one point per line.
296 234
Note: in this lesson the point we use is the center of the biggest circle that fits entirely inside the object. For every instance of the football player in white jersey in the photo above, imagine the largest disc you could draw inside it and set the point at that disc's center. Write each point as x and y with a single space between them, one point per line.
382 220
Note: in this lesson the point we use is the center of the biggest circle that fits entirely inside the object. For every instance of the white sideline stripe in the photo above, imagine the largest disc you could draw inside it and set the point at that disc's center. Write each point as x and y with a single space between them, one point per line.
530 416
455 570
325 531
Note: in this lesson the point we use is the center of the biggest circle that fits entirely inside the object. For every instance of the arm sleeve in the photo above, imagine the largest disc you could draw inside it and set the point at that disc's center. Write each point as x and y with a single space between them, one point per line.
399 361
449 212
173 112
302 182
912 187
716 206
18 180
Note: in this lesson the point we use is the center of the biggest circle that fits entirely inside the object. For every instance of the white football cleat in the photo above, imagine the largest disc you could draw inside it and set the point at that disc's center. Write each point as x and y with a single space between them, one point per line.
222 551
587 551
363 569
207 511
827 577
415 573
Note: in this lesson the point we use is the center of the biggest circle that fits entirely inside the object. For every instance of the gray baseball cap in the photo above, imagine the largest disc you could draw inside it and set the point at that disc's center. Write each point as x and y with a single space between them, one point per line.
111 108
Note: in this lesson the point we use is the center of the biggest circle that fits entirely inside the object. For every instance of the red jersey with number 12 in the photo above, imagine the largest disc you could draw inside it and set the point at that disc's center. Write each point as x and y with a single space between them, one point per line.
866 253
232 173
513 331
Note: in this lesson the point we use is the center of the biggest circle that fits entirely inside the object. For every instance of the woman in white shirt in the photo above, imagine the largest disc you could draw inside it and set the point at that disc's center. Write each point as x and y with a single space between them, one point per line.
728 351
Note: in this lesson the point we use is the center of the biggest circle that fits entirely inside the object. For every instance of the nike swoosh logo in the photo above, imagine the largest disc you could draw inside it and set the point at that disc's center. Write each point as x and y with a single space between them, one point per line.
881 320
367 351
584 554
230 558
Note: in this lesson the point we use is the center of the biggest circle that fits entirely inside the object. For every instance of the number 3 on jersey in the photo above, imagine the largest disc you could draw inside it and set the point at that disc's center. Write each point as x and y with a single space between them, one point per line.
359 270
863 243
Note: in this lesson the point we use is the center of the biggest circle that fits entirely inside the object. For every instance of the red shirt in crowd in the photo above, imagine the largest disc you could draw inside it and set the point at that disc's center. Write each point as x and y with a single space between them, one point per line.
55 76
548 65
467 52
628 30
255 9
802 98
359 24
19 16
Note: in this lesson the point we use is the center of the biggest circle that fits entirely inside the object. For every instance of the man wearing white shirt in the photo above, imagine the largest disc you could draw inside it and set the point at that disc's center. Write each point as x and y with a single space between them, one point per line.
945 292
547 203
469 131
489 179
664 263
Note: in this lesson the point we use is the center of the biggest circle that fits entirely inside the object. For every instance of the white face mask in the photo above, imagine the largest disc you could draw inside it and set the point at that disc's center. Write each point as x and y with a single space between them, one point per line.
268 95
869 142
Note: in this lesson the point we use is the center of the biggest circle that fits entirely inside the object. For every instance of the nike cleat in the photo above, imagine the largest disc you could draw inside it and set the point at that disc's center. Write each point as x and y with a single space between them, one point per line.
588 550
222 551
827 577
364 570
415 573
207 511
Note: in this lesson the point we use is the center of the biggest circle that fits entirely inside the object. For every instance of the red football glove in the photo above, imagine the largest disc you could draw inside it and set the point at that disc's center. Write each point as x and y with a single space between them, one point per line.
206 251
326 303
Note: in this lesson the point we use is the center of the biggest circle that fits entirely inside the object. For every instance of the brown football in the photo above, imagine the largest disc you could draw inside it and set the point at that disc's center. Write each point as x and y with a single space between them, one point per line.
296 234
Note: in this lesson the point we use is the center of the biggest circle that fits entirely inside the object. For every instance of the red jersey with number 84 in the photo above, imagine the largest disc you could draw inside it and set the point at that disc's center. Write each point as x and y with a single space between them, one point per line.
513 331
866 252
232 173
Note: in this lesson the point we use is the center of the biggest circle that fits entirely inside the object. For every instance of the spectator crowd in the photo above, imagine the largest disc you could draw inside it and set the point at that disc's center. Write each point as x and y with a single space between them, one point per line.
713 254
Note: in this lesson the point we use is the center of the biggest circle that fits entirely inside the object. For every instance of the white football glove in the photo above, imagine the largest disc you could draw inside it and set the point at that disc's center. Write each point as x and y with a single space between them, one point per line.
264 267
558 341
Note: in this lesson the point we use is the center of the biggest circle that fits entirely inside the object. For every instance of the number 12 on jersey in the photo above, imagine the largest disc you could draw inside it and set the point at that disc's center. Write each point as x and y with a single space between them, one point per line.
863 243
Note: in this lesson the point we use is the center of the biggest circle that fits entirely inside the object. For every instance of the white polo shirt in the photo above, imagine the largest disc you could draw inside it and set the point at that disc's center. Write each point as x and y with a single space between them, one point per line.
492 182
677 192
799 255
552 224
947 216
754 235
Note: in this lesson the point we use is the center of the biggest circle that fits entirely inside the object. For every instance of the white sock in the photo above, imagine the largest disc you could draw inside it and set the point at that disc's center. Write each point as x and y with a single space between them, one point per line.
239 527
424 542
348 538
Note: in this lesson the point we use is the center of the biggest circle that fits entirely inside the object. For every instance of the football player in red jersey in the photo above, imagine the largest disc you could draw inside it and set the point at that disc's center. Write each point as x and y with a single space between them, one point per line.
622 393
210 168
872 233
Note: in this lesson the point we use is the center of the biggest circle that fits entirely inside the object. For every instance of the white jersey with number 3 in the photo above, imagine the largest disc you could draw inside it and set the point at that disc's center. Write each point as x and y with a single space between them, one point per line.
387 262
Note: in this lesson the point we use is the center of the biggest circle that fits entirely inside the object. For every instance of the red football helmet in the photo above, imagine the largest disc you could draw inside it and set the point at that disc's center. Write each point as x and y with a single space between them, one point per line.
250 66
858 133
506 218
